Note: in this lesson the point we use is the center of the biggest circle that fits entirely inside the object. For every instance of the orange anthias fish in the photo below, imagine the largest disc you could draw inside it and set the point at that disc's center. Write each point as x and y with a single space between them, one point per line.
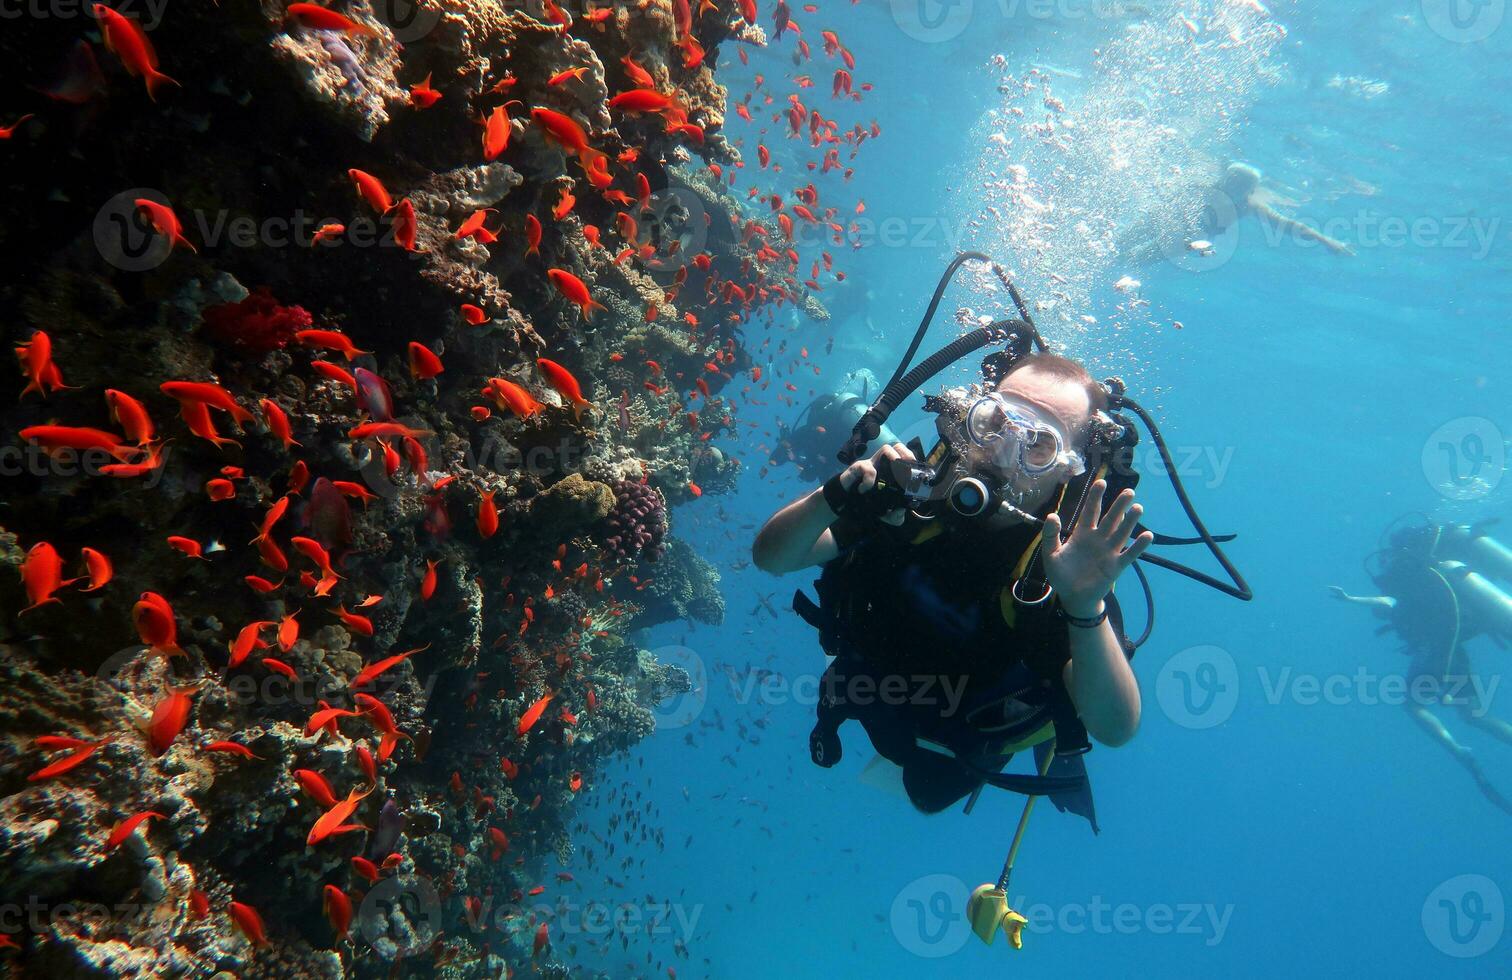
406 226
565 384
36 360
131 415
278 422
99 568
332 822
511 397
488 516
54 438
565 131
169 716
373 671
368 430
423 362
68 763
497 128
329 340
318 18
129 42
312 782
164 222
208 393
249 922
155 624
642 100
127 827
338 910
532 715
532 235
42 575
232 748
382 719
248 640
575 290
372 191
423 96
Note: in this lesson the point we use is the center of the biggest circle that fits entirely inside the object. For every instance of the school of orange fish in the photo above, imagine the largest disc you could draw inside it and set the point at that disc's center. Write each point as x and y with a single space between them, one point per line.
551 684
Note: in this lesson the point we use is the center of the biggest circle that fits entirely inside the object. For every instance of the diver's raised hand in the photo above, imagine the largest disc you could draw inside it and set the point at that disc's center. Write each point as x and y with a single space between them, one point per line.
1083 568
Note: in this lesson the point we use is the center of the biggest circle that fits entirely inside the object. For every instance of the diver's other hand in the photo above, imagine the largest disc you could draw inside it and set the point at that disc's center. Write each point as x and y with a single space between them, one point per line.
861 476
1083 568
1338 593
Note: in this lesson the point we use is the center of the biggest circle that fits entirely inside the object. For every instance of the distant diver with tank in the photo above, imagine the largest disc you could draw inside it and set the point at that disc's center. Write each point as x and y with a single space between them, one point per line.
1435 591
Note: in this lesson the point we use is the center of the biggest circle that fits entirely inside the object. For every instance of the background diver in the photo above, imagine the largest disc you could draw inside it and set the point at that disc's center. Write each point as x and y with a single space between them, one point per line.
1435 592
809 443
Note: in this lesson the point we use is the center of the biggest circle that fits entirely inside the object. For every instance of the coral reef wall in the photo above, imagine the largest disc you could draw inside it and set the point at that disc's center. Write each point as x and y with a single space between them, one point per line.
362 360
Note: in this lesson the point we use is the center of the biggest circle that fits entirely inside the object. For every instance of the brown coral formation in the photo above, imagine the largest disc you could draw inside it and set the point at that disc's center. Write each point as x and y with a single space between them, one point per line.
464 708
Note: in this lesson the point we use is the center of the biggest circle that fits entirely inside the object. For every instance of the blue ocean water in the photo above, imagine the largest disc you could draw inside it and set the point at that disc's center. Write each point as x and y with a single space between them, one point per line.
1313 398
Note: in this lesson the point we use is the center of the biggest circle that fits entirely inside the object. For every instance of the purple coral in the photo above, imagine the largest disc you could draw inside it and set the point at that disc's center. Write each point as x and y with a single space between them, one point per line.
638 522
258 324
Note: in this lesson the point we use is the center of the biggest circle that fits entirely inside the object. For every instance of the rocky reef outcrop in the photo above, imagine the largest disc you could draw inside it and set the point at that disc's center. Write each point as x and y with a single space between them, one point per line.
363 359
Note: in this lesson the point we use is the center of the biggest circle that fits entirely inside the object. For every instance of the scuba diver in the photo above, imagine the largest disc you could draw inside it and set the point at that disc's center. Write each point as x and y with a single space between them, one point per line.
1434 591
809 442
967 592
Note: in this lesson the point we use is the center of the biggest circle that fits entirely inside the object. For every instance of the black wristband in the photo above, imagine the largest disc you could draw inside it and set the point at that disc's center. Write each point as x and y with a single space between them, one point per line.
836 497
1086 624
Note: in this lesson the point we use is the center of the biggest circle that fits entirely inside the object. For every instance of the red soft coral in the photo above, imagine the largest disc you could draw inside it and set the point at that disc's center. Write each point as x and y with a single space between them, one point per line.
257 324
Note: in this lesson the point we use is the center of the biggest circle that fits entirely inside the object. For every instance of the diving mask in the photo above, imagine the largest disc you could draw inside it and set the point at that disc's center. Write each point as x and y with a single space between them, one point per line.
1015 436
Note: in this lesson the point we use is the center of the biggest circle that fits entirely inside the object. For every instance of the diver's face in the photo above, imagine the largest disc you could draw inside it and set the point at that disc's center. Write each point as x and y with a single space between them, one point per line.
1065 402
